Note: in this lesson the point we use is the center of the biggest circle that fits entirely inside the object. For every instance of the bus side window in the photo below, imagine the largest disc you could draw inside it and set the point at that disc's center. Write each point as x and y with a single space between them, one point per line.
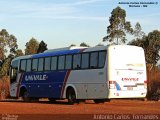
54 63
101 59
61 60
34 64
93 60
68 63
28 67
85 61
47 64
77 61
23 66
40 64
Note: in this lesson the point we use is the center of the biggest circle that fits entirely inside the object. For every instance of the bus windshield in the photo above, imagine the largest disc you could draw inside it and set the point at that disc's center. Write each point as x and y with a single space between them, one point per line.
128 58
13 71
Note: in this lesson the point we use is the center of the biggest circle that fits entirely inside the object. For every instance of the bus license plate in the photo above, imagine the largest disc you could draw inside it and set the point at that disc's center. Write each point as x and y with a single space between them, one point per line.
129 88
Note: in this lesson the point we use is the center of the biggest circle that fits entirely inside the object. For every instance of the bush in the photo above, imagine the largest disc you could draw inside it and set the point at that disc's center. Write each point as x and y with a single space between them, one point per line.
153 76
4 87
156 95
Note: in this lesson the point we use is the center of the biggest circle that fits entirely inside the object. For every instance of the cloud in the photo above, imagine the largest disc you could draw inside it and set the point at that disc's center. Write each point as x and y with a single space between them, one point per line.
86 2
78 18
148 24
146 19
32 6
30 9
152 15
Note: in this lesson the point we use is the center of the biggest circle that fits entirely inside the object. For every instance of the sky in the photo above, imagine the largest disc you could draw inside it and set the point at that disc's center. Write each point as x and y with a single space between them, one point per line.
60 23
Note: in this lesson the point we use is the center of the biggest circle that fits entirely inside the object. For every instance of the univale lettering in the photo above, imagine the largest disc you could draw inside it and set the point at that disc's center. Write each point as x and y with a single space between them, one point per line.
35 77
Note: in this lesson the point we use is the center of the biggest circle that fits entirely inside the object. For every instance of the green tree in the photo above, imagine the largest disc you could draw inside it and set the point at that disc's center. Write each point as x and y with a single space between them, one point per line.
12 43
72 45
118 27
2 53
42 47
18 53
138 33
31 47
7 42
100 44
151 46
83 44
5 67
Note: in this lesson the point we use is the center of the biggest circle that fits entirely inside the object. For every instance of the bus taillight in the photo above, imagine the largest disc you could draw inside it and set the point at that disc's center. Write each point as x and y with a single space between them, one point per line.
145 84
112 84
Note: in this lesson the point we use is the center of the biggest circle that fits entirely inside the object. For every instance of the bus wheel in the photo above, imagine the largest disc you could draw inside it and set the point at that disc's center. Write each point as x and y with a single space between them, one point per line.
71 96
25 97
52 100
99 101
34 99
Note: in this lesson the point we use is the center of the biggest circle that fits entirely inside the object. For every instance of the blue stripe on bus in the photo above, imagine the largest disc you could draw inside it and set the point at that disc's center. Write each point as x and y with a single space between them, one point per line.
64 52
50 88
54 85
117 86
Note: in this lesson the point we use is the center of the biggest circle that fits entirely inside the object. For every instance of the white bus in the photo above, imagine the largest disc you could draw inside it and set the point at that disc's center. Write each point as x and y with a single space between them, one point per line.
98 73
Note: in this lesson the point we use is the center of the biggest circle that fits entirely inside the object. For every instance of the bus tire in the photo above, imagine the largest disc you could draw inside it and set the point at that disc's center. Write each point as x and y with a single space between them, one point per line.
34 99
107 100
99 101
25 97
52 100
71 96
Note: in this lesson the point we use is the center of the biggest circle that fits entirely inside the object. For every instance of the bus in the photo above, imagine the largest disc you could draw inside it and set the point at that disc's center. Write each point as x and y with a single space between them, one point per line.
97 73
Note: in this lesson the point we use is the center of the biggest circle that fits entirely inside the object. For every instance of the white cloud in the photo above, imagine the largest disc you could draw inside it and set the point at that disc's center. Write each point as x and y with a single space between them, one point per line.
68 10
78 18
146 19
31 6
81 2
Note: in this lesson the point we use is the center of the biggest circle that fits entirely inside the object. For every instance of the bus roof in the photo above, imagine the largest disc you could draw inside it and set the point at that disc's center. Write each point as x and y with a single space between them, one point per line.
22 57
65 48
54 53
68 50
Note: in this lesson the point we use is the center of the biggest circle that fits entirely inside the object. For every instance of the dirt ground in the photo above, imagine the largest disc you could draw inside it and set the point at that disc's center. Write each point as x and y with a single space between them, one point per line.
115 109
